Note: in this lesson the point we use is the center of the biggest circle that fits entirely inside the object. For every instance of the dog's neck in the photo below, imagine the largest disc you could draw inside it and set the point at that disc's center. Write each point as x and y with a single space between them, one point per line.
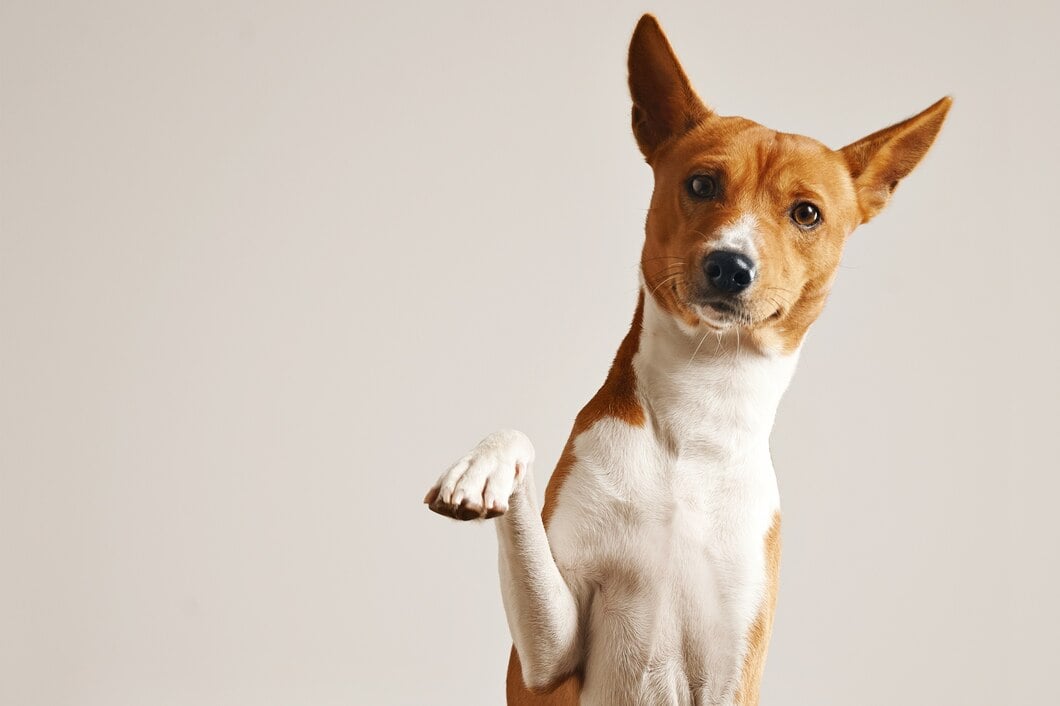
705 392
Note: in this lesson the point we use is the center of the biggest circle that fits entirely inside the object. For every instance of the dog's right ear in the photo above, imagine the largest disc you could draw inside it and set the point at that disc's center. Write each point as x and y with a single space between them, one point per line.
664 104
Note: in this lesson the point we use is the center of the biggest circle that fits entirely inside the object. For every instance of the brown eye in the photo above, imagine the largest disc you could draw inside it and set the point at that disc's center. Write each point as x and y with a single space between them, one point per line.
805 215
702 186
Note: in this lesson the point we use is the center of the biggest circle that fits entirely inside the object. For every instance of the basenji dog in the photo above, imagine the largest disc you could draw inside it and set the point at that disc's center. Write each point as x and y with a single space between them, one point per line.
650 575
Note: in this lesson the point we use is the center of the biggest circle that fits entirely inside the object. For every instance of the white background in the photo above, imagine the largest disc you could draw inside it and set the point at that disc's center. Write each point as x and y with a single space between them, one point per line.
266 268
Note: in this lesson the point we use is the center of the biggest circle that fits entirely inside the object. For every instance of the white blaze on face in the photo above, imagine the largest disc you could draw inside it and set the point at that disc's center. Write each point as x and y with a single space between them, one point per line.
739 237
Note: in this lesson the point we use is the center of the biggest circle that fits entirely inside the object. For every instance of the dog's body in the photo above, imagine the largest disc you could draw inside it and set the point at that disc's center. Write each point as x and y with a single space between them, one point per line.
655 580
668 526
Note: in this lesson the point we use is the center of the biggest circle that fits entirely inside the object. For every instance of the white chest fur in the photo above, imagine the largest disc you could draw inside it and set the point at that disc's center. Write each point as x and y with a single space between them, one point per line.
659 529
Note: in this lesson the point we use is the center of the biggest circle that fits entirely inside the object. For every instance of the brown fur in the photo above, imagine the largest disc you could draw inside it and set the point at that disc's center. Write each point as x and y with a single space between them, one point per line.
617 398
758 639
763 173
565 693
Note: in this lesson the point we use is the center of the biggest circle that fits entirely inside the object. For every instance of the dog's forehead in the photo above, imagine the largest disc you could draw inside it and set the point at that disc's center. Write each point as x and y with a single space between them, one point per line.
749 152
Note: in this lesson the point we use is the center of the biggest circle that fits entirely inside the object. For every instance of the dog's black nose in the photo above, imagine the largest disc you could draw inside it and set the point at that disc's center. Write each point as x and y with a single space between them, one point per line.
729 272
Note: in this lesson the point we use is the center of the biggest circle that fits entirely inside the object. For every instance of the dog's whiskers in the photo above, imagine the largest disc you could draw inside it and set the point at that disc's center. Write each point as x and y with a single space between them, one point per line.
785 291
671 277
707 333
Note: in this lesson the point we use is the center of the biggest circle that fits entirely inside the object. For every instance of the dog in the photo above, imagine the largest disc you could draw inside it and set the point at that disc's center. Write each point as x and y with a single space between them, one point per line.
650 575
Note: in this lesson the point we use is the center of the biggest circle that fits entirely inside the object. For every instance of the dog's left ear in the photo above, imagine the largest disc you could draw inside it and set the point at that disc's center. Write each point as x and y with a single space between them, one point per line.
878 162
664 104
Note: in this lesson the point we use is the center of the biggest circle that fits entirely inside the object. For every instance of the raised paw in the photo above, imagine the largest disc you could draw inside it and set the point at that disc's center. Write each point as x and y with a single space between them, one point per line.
480 484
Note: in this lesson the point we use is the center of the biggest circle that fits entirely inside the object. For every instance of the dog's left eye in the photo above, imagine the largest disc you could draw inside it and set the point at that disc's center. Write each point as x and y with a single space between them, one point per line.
805 215
703 186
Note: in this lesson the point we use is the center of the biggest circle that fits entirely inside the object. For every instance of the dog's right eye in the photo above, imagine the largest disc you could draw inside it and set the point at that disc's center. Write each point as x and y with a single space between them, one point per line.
702 186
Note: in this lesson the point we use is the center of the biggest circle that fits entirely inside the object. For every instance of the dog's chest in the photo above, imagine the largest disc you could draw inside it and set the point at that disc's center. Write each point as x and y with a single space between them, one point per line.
665 550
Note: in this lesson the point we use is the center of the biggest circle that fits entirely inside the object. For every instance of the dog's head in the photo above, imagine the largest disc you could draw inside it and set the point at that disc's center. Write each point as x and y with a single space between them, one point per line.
747 225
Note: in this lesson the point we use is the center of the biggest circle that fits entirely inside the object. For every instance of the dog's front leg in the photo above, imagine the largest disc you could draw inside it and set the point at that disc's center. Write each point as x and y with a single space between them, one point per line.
496 480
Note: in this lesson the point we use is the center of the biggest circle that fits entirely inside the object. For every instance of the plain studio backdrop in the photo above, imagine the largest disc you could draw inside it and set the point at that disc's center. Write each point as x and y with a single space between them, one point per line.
267 268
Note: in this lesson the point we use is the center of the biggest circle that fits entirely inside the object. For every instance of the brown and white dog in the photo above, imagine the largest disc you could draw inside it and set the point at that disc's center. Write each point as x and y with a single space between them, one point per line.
651 574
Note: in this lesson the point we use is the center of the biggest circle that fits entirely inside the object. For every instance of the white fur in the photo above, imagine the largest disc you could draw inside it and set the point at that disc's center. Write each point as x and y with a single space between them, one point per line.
541 609
740 236
653 567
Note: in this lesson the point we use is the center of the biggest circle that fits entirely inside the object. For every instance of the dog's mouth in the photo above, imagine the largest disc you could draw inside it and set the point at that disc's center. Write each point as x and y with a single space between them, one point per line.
718 313
722 314
724 308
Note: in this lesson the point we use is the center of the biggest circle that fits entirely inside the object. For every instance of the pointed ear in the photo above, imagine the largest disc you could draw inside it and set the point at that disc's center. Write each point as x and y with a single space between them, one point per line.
664 104
878 162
